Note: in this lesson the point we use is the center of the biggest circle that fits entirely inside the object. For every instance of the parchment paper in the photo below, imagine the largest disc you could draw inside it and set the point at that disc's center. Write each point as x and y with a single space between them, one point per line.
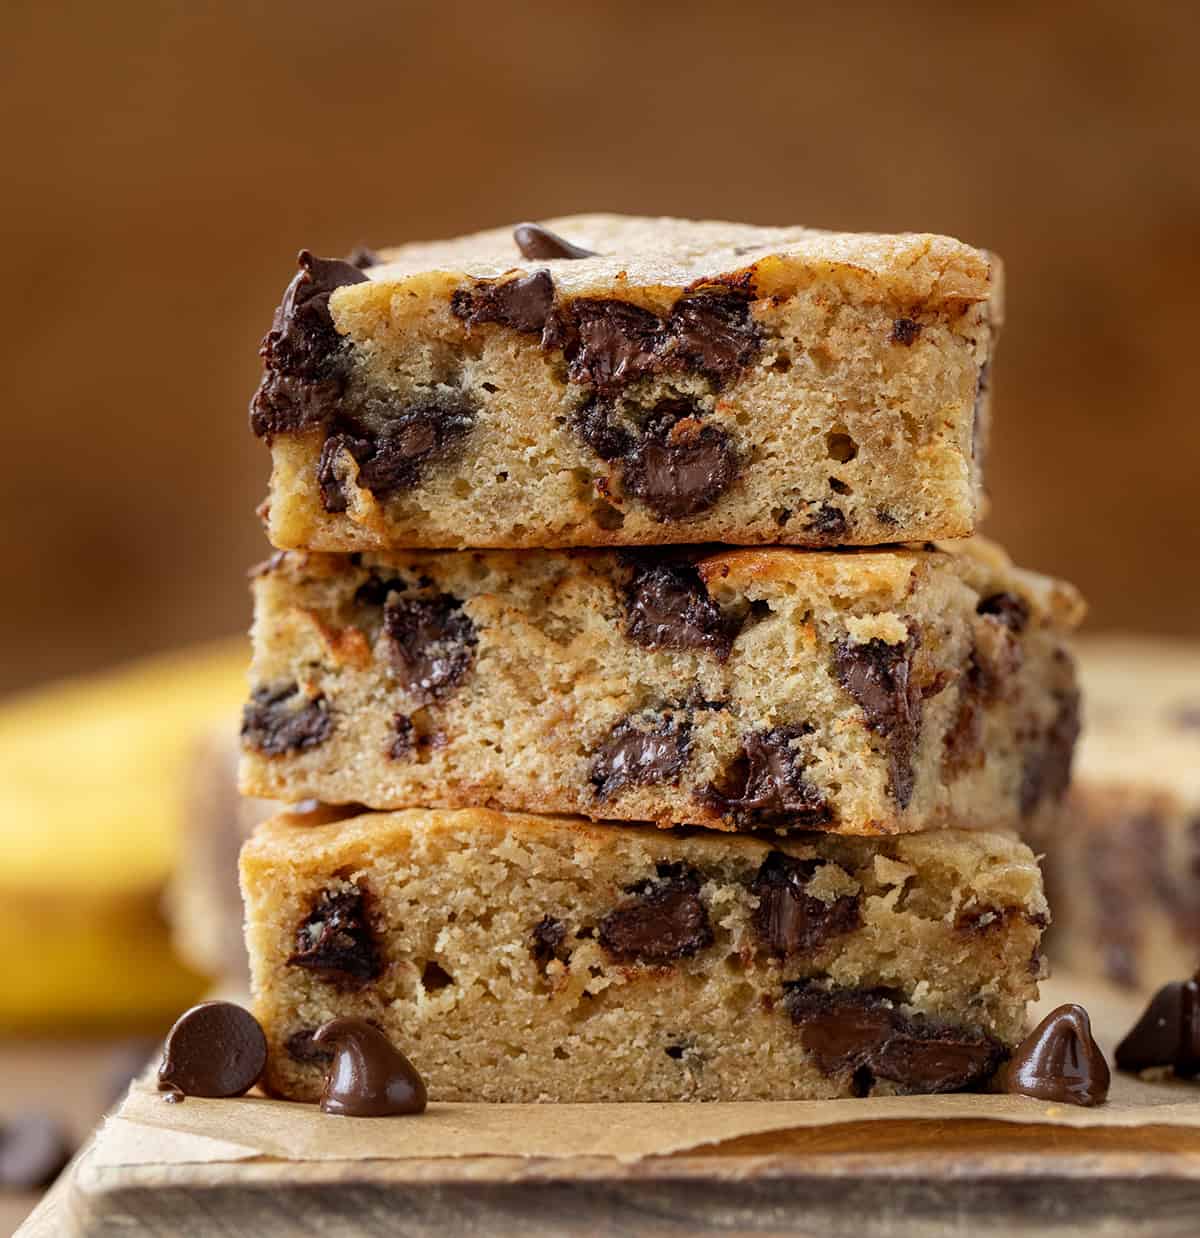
145 1130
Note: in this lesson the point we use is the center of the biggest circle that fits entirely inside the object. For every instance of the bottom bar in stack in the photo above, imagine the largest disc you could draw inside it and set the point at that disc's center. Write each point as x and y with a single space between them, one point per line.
522 958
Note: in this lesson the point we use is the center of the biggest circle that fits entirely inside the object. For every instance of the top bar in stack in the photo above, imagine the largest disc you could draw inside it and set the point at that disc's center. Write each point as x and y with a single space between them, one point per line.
631 381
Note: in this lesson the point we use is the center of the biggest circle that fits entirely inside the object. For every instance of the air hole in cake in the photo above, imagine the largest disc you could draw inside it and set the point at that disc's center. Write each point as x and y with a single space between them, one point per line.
435 977
781 515
840 446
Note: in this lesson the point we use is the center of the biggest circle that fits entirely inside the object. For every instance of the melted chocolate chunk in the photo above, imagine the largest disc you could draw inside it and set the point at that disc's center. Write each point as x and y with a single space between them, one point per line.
714 334
546 939
432 643
609 344
394 457
304 355
863 1032
595 425
633 756
766 783
1058 1062
879 677
539 244
34 1149
667 606
214 1049
680 467
523 303
1047 769
828 522
1009 609
280 720
665 919
1167 1034
905 331
788 919
368 1077
335 940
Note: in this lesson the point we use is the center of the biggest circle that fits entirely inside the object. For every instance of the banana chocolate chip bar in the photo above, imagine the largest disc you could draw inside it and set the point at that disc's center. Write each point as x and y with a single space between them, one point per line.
631 381
521 958
859 692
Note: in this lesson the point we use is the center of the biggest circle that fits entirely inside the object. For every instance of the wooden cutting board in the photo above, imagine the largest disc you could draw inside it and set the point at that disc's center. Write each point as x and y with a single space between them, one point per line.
866 1179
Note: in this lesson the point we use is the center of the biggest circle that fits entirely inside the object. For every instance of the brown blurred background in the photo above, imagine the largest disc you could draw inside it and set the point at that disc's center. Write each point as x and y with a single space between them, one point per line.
164 161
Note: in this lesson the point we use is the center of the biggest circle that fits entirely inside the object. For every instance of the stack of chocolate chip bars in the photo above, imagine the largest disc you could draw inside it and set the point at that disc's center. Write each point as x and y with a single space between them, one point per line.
617 813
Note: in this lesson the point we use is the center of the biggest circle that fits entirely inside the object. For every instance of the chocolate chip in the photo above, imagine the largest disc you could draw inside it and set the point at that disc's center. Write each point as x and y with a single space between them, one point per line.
714 334
1046 773
862 1032
667 606
280 720
523 303
214 1049
681 466
375 589
879 677
664 920
640 754
431 642
766 783
301 1048
363 257
905 331
1059 1062
539 244
368 1077
34 1149
403 738
609 344
1009 609
546 939
1168 1032
828 523
788 919
963 741
393 456
335 939
305 373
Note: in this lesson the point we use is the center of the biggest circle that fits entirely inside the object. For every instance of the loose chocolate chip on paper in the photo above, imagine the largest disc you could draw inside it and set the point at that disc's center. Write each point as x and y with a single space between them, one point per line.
1168 1032
280 720
431 642
788 919
766 783
640 755
335 940
664 920
215 1049
1058 1061
539 244
368 1076
667 606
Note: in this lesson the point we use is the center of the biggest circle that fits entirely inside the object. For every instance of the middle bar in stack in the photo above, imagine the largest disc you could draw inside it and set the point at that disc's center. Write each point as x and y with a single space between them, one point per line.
856 692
